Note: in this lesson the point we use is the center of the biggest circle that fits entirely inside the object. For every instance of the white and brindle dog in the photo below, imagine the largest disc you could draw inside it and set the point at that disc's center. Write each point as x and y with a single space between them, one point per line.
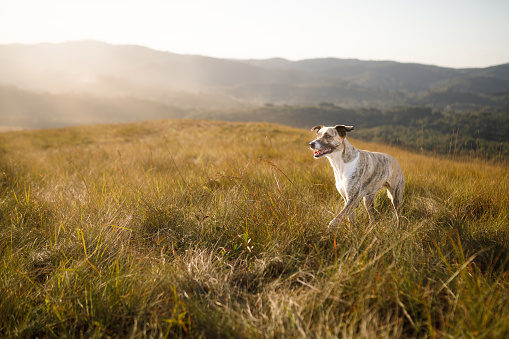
359 174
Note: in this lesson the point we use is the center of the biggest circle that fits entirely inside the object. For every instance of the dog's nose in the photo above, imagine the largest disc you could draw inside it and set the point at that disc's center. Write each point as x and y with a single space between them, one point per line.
312 144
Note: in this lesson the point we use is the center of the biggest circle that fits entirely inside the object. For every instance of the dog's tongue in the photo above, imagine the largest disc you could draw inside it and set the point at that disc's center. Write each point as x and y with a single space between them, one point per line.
321 151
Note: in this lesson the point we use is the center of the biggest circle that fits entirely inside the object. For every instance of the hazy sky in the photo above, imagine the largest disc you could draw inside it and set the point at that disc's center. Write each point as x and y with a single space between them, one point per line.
452 33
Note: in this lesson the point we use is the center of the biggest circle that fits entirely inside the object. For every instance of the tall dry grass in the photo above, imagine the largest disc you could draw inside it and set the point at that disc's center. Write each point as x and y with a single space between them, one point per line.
211 229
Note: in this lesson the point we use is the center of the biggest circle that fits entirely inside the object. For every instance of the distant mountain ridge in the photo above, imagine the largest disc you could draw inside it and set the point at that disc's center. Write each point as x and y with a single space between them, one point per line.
101 69
390 75
89 61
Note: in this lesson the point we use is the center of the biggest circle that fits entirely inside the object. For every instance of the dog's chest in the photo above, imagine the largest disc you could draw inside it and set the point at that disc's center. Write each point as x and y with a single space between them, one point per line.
344 171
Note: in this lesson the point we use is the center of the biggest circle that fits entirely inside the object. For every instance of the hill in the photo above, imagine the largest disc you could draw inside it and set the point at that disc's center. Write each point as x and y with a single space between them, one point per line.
481 134
23 109
397 76
88 82
106 70
216 229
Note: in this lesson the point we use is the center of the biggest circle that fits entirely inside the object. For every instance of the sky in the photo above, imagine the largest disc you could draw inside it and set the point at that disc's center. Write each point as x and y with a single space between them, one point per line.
448 33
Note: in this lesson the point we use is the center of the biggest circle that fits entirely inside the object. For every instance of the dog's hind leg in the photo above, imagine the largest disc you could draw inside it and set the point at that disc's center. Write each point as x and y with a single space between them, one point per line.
398 197
369 203
395 193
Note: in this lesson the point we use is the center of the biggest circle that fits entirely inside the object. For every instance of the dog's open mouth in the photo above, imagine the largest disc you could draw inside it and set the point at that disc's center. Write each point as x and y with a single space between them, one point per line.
320 152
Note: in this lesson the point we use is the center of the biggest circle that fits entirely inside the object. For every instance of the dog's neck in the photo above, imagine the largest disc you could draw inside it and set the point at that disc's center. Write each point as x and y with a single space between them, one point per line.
343 155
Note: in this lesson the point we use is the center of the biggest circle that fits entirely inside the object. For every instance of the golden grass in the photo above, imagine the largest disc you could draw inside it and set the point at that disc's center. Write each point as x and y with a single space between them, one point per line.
214 229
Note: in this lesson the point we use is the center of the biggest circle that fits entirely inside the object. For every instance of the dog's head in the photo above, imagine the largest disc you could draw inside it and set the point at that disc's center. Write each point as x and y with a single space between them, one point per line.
328 139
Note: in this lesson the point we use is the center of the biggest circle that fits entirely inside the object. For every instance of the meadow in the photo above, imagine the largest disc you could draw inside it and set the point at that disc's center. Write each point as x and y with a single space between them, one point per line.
209 229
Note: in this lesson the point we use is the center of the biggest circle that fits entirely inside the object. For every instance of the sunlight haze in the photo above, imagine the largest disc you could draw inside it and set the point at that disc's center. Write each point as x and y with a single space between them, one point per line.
454 33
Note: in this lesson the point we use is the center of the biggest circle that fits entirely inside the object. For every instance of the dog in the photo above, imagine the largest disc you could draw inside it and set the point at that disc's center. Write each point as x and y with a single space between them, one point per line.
359 174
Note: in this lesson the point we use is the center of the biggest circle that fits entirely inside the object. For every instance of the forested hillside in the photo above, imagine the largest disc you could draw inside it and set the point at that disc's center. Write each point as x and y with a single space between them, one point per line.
107 70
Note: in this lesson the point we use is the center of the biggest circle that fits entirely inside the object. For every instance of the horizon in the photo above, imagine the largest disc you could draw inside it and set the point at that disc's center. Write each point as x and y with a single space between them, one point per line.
453 34
237 59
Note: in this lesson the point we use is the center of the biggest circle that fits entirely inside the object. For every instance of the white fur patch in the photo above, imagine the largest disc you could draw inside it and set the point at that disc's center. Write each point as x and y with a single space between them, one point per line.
342 171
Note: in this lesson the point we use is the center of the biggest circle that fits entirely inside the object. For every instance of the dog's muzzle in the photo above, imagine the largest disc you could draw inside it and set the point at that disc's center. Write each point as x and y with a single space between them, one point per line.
319 152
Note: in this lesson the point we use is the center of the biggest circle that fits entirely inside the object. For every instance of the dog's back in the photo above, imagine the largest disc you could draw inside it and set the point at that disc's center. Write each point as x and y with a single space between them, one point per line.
379 168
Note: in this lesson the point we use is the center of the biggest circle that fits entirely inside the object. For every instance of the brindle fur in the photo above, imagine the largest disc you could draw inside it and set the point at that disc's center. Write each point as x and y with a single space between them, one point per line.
359 174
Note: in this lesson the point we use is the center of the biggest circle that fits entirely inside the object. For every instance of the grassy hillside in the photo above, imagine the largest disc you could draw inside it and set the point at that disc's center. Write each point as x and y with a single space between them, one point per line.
470 135
475 134
212 229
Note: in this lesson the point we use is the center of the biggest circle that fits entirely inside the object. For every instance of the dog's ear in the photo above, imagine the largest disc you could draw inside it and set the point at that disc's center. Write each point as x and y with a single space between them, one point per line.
317 128
342 129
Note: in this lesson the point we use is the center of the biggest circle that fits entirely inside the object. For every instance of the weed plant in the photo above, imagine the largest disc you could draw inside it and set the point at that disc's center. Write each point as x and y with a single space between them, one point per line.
211 229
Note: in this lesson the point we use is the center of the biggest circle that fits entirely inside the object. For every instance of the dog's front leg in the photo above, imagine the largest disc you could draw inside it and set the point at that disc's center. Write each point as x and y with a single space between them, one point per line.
347 210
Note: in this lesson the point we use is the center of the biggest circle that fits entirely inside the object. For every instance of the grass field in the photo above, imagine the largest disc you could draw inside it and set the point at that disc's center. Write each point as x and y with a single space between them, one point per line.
209 229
